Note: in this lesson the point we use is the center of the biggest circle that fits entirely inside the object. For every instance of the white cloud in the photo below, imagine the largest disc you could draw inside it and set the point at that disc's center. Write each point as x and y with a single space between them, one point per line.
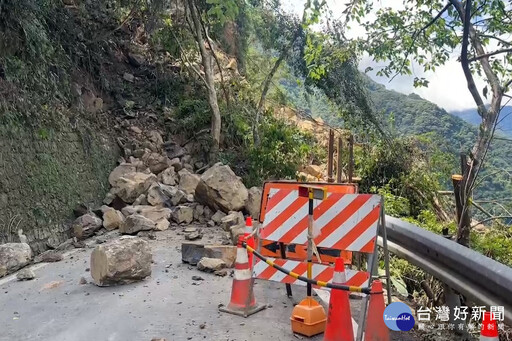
447 85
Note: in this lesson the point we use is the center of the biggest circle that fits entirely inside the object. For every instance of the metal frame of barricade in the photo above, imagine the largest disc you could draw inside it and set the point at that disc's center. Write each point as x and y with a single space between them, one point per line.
371 265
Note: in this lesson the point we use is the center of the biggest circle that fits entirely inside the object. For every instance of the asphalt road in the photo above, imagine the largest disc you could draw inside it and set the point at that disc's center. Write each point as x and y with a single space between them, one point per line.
169 304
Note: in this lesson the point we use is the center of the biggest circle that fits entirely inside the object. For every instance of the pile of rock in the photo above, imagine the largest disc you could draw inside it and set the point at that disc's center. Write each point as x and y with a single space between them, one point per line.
155 185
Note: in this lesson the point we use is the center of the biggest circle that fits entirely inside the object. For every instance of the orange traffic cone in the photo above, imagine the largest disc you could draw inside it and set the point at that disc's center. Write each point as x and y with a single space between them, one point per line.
242 301
376 329
247 232
339 319
489 331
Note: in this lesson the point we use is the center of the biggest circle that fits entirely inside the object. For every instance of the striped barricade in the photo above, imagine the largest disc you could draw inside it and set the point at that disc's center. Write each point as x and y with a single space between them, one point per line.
321 272
342 221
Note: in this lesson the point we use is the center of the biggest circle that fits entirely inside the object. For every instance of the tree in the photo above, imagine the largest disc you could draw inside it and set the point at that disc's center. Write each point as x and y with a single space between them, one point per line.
430 33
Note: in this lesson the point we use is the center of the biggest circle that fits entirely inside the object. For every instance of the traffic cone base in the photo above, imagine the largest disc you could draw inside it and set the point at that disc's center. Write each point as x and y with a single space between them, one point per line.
339 319
308 317
242 301
489 330
376 329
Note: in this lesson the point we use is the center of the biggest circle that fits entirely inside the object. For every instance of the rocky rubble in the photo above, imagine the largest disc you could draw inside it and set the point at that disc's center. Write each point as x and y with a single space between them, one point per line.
153 188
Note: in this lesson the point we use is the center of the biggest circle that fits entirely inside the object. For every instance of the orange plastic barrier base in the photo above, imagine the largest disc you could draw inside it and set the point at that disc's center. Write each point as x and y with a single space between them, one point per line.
308 318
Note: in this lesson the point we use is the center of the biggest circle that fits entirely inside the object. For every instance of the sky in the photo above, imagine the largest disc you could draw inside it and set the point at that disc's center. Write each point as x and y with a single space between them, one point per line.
447 87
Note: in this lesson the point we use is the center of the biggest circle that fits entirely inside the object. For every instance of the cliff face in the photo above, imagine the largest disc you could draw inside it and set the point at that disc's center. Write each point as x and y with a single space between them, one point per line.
45 173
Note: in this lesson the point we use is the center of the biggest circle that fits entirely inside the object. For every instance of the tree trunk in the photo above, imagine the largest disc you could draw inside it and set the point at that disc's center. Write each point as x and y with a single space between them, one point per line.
208 75
266 86
489 116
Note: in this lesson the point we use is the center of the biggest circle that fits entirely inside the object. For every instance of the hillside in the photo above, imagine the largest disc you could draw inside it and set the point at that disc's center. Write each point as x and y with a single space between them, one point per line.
414 115
505 123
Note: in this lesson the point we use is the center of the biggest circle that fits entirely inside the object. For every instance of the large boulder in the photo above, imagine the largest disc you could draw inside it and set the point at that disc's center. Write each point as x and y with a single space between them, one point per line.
221 189
135 223
183 214
188 181
130 186
192 252
232 219
179 197
227 253
120 171
314 170
156 196
159 215
210 264
121 261
150 212
217 217
168 177
14 256
252 206
156 162
112 218
85 226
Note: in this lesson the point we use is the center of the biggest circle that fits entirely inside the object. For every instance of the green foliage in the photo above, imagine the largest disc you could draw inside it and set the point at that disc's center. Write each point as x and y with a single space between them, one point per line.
192 115
496 243
223 10
398 36
282 151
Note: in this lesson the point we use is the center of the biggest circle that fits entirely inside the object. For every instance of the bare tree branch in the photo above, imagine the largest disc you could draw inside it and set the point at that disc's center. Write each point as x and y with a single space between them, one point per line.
416 34
464 54
489 54
492 218
504 42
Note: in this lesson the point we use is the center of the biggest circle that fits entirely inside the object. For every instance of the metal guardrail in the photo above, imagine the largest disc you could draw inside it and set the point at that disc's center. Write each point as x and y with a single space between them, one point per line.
480 279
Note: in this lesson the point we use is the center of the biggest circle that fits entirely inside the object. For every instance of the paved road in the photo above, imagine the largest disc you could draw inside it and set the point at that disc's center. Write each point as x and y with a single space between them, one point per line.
55 307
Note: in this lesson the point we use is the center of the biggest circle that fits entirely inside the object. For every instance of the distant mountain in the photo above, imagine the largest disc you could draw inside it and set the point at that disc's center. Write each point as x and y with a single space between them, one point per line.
505 121
412 115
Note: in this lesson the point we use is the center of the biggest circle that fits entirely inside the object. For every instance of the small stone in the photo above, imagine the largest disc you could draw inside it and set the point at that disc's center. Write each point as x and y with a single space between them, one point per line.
50 256
128 77
158 339
197 278
221 272
136 129
25 274
82 281
190 229
193 236
202 325
210 223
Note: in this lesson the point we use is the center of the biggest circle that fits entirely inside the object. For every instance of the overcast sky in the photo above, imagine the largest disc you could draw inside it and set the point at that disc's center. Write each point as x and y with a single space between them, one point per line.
447 86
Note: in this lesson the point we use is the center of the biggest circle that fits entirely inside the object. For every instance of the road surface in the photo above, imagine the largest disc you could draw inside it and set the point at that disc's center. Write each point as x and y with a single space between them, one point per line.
169 304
